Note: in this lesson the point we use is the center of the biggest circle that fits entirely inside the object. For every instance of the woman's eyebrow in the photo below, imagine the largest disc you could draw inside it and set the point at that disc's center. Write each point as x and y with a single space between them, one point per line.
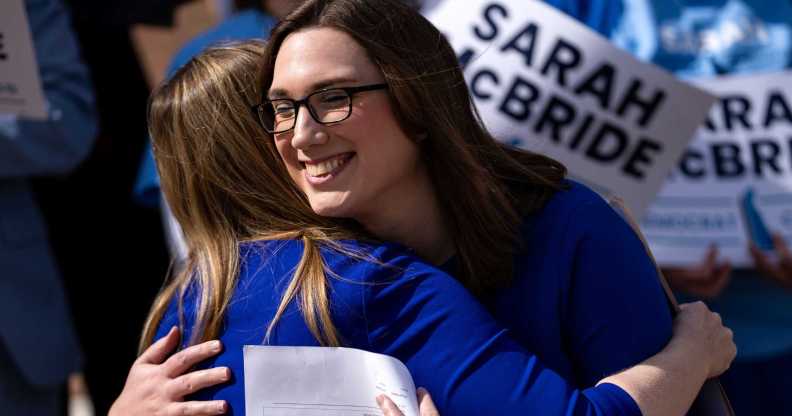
276 93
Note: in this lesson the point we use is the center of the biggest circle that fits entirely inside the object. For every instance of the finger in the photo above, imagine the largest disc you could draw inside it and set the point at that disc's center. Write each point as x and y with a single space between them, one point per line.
784 268
720 279
197 380
781 247
196 408
682 278
694 307
158 351
711 258
182 361
425 403
761 261
387 406
716 318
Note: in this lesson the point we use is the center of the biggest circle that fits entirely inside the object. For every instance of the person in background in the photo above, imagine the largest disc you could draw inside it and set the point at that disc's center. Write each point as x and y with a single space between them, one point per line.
252 20
38 346
707 38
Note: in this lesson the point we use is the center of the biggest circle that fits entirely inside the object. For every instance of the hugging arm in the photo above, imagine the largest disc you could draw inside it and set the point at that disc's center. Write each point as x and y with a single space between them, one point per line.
455 349
616 313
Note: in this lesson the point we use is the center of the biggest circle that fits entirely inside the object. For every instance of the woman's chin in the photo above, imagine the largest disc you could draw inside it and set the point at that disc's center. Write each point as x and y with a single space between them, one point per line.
330 210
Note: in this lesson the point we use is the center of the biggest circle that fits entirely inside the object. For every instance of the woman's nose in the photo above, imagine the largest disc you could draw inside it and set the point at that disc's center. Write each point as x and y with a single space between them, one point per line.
307 131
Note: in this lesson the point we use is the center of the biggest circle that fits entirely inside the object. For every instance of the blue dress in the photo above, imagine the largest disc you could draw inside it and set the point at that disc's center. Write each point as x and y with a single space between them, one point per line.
585 303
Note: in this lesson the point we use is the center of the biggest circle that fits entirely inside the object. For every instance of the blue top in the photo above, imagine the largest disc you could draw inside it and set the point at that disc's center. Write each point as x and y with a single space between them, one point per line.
585 302
248 24
705 38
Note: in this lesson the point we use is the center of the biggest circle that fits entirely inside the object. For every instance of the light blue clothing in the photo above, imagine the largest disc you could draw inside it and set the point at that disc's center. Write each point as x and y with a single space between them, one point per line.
38 345
705 38
248 24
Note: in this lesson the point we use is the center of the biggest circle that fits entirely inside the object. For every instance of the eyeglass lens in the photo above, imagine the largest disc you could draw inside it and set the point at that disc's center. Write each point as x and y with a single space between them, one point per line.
328 106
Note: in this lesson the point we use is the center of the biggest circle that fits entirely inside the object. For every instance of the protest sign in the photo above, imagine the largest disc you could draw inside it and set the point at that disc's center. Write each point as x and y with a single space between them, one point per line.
734 183
20 87
545 82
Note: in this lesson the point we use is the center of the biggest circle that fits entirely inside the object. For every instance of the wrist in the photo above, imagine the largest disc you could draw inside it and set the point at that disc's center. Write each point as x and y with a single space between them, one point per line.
688 357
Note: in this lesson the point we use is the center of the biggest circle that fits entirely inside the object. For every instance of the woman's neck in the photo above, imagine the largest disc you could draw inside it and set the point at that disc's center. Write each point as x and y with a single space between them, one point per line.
412 216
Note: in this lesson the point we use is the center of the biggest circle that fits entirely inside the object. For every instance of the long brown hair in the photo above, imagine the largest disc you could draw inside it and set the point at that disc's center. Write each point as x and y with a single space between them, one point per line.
225 185
484 188
225 182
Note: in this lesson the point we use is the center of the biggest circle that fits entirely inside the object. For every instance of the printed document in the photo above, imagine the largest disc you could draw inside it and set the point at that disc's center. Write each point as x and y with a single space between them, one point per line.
314 381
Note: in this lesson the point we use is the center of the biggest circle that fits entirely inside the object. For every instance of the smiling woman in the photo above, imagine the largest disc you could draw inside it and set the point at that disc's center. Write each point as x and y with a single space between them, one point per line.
373 162
287 234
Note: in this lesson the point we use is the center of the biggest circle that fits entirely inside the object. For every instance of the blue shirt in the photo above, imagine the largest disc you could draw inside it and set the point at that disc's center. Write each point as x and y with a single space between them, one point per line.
585 303
248 24
705 38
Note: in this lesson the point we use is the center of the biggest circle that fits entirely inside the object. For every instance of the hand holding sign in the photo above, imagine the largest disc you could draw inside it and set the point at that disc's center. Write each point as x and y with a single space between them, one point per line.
706 279
779 270
733 185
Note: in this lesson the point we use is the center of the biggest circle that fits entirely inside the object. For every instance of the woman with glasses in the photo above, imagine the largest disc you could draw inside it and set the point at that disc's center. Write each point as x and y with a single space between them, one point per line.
344 169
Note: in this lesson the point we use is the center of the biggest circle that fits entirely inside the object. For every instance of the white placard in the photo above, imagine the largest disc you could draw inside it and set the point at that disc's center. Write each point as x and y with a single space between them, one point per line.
735 182
20 86
317 381
547 83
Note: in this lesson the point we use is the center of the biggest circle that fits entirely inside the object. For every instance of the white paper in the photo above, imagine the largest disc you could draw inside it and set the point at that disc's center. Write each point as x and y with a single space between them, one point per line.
484 30
313 381
20 87
748 146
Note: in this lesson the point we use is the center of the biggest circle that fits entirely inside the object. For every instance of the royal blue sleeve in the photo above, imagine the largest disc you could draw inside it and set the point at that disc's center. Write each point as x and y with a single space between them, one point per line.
617 314
454 348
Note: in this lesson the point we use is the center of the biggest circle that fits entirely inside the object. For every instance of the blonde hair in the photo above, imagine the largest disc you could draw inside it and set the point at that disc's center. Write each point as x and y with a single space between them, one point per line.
226 184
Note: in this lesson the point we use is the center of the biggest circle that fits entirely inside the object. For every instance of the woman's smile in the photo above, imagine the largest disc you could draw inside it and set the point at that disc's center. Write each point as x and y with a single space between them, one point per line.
321 171
364 167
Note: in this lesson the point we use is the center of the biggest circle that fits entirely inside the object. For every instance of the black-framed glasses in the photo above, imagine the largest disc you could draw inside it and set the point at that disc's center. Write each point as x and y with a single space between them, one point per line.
326 106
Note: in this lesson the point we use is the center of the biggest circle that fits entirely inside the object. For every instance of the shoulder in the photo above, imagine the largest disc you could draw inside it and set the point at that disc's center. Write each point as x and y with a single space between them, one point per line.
576 204
269 256
349 261
375 262
249 24
575 221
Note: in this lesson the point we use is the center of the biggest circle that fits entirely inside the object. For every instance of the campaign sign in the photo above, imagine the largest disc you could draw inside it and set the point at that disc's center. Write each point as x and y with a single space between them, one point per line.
734 183
545 82
20 87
